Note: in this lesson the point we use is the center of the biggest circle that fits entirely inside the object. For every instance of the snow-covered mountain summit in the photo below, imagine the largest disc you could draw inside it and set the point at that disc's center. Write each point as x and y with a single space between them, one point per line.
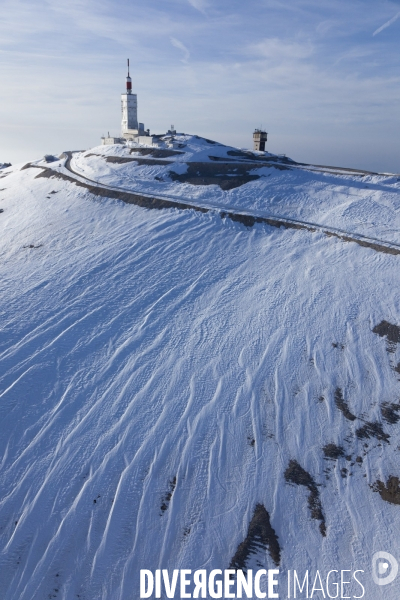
199 368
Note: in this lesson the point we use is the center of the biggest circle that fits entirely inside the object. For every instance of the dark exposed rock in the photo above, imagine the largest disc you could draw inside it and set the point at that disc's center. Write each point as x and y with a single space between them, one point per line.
343 406
386 329
390 412
241 154
140 161
156 152
364 243
250 221
260 536
389 492
372 430
337 345
333 451
168 495
226 176
248 155
298 476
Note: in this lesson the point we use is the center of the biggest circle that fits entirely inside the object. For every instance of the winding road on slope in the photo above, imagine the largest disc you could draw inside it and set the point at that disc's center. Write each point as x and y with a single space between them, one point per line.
249 220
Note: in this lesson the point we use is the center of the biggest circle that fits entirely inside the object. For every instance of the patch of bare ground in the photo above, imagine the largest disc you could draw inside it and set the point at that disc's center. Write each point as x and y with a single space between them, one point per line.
296 475
260 536
250 221
342 405
390 412
226 175
155 152
364 243
167 496
332 451
360 171
140 161
222 159
372 430
337 170
241 154
128 197
246 159
389 492
392 334
388 330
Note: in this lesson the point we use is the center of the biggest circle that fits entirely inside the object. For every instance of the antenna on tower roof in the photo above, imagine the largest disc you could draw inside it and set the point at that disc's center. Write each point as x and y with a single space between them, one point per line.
128 82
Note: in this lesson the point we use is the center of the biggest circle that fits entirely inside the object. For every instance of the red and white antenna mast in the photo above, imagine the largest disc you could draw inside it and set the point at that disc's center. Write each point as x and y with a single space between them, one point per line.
128 82
129 123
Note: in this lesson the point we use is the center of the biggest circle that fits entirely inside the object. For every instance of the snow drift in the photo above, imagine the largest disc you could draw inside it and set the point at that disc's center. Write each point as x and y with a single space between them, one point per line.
169 377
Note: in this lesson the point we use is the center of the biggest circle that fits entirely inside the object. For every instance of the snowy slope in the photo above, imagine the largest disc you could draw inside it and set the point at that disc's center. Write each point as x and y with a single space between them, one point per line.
360 202
163 372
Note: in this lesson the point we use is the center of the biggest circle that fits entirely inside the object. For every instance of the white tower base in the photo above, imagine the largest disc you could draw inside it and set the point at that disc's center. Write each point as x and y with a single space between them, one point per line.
129 113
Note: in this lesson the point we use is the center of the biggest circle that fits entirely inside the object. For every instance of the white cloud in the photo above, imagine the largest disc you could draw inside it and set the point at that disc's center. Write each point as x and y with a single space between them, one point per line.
387 24
199 5
178 44
326 26
355 54
279 50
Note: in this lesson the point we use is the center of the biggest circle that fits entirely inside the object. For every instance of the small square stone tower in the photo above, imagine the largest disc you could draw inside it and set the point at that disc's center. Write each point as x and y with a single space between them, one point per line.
259 139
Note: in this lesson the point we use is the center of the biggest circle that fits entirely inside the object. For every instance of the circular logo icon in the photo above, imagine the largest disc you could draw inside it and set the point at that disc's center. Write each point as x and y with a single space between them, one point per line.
384 568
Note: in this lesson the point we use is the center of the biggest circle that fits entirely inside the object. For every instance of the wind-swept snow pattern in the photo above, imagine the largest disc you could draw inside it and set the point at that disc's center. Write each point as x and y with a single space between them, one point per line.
180 391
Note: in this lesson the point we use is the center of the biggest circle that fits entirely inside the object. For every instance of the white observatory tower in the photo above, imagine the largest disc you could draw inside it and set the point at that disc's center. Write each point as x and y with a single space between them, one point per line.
130 127
131 130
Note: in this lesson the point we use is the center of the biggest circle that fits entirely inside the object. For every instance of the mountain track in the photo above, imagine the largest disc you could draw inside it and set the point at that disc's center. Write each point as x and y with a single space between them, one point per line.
249 220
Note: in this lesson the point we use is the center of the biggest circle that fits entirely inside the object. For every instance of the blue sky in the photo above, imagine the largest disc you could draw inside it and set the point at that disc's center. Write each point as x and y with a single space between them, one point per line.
322 77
